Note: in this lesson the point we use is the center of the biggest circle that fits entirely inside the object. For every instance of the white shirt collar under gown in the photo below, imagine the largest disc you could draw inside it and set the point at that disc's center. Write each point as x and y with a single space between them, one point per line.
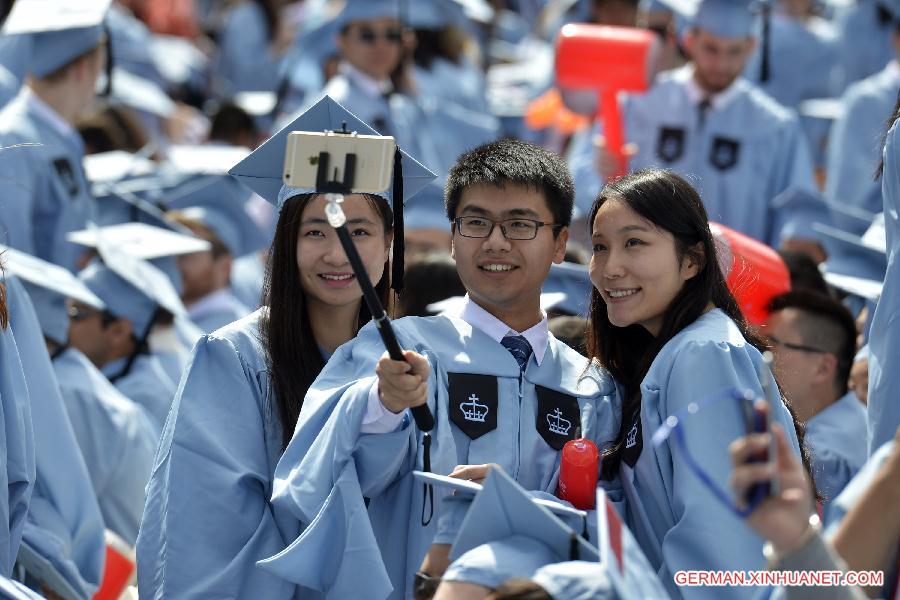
476 316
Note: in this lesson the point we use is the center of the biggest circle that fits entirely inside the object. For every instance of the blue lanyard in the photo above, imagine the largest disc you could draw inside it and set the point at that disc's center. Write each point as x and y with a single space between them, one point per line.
673 424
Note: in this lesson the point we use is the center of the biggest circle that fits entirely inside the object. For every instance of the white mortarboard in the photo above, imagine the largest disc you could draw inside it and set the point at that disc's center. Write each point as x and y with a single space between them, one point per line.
503 509
138 93
367 10
828 109
131 288
116 165
256 104
263 169
209 159
222 208
573 283
869 289
48 285
140 240
62 30
47 275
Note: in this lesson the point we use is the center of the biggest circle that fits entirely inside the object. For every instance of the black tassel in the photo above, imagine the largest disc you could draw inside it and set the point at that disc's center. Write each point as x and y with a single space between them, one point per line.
110 63
764 68
574 554
399 245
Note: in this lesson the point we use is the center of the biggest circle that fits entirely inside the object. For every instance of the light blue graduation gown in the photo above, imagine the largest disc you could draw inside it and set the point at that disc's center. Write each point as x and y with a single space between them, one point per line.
330 467
884 335
463 84
131 41
213 478
218 312
678 522
17 475
803 58
115 437
147 384
9 86
836 438
245 61
742 157
865 43
247 276
64 528
854 149
45 194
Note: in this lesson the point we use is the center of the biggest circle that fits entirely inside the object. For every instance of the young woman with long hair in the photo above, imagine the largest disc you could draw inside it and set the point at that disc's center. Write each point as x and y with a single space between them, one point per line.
666 326
208 518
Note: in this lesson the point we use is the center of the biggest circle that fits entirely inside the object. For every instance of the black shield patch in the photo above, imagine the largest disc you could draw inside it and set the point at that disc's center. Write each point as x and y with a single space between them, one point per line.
558 418
473 403
67 175
634 441
670 145
724 153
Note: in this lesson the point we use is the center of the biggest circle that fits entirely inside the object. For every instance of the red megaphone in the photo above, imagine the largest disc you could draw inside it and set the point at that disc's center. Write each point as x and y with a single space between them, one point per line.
579 468
755 273
607 59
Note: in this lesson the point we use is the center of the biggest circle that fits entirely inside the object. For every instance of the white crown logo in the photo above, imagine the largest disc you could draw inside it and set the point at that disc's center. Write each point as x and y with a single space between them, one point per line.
473 411
631 440
557 424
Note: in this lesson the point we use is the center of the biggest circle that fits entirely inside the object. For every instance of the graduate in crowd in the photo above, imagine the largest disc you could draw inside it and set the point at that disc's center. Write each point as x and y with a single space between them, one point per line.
239 400
813 338
47 195
856 138
705 120
115 436
216 212
864 28
115 339
503 391
666 326
884 337
62 547
17 470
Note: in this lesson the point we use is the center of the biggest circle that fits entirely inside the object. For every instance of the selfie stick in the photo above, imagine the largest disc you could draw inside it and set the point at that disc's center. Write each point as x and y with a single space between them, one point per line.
334 195
766 378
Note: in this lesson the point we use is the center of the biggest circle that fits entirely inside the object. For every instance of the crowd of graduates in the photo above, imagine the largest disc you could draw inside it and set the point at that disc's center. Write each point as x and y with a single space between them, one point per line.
196 401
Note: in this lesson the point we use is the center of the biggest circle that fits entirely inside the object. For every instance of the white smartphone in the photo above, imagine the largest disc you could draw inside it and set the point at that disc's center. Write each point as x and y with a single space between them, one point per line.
374 159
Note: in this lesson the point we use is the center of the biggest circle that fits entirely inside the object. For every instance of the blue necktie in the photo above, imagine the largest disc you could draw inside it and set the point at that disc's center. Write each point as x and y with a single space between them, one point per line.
519 347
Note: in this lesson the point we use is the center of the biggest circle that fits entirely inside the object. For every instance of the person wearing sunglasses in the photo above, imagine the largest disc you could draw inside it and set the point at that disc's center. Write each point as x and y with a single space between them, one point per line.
668 329
813 338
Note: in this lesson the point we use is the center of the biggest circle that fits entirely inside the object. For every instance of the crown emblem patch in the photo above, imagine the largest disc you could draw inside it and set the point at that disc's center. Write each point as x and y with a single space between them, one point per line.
558 417
472 403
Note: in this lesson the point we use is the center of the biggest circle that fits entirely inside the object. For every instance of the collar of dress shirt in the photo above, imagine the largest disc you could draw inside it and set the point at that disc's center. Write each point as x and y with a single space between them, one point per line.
46 112
474 315
371 87
696 94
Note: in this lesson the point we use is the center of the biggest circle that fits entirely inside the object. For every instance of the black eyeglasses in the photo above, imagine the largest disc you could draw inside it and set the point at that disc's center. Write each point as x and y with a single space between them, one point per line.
369 36
774 341
512 229
79 313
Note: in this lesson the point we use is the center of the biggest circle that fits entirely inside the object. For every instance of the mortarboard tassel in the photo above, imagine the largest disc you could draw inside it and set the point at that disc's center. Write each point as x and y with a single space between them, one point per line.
107 90
766 38
397 206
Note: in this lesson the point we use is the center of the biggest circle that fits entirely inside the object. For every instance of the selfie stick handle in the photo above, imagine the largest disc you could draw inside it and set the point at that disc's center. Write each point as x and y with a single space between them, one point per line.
338 220
766 379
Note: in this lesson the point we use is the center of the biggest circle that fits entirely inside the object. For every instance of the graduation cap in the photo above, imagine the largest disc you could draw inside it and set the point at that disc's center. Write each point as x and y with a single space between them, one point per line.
426 210
726 18
132 288
503 510
140 240
262 170
62 30
48 285
435 14
367 10
805 210
222 208
138 93
572 285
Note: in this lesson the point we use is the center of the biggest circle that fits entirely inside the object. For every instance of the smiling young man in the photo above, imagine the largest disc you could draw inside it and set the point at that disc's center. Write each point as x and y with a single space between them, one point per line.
492 374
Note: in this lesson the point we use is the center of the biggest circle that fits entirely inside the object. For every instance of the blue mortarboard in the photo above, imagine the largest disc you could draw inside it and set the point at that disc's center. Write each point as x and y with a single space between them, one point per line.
856 264
804 209
262 170
138 93
435 14
726 18
132 288
62 30
426 210
573 282
222 207
140 240
48 286
504 510
367 10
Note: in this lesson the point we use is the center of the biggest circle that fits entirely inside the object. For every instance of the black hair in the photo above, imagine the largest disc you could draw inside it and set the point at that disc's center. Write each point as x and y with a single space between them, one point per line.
293 357
429 279
826 324
229 122
804 272
671 204
571 330
895 114
272 17
514 162
446 43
